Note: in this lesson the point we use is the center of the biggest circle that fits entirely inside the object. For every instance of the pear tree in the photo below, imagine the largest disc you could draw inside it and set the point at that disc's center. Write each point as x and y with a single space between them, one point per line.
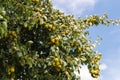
38 42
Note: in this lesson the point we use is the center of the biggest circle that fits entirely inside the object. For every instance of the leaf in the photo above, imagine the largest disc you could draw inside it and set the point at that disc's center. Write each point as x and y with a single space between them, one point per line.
20 54
1 18
45 18
1 32
41 21
3 28
25 24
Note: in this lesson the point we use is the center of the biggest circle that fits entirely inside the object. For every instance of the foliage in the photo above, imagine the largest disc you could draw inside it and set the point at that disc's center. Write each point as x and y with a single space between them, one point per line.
38 42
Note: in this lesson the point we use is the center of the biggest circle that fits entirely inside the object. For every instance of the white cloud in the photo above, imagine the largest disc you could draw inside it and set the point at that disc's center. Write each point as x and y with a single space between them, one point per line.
113 71
85 75
103 66
75 7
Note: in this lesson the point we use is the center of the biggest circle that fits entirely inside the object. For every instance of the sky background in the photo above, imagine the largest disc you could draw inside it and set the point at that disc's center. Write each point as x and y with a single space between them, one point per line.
110 45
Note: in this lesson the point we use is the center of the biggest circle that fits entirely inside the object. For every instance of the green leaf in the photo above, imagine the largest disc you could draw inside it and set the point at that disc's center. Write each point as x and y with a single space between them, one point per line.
41 21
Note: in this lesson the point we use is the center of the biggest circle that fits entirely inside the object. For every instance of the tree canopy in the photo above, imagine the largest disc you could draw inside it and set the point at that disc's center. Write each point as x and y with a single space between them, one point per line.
38 42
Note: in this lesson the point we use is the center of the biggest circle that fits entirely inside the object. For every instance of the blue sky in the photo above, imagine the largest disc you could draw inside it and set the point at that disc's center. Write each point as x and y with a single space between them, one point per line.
110 45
